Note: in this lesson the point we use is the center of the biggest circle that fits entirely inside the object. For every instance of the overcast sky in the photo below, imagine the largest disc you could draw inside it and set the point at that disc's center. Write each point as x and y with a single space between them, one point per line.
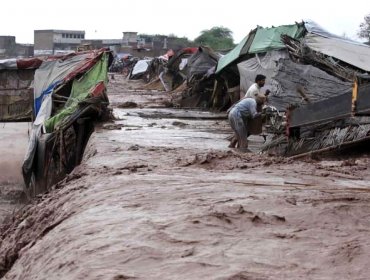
107 19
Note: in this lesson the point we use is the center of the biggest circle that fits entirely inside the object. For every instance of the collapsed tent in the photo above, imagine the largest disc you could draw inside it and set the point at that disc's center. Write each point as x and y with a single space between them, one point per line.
174 72
200 68
140 69
69 93
286 79
264 51
317 78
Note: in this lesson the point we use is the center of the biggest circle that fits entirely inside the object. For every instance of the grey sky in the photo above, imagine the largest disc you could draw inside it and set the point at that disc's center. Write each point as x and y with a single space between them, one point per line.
107 19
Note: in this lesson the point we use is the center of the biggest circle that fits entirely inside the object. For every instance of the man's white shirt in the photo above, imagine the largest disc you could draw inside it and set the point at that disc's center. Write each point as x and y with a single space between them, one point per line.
253 91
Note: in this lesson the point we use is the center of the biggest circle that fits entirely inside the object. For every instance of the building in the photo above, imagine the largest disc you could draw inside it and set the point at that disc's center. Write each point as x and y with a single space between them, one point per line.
7 46
150 45
130 38
24 50
90 44
54 41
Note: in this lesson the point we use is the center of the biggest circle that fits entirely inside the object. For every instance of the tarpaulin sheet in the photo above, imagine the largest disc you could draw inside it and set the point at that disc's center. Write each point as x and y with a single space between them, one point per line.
10 63
357 54
260 40
140 67
314 28
81 89
284 78
24 63
52 73
260 64
201 62
267 39
231 56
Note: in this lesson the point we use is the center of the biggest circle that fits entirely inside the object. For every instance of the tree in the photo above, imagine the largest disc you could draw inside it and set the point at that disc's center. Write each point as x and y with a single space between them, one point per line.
218 38
364 31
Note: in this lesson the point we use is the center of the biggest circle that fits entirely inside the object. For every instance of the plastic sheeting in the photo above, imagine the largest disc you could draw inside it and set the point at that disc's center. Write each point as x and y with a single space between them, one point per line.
200 62
285 78
10 63
231 56
267 39
52 73
81 89
261 40
357 55
140 67
314 28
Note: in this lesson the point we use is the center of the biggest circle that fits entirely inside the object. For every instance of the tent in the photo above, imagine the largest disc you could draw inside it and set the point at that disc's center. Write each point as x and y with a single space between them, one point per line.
296 58
69 92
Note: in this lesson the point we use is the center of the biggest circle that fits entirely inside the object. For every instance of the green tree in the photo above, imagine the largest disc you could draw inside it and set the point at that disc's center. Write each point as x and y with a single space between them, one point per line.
218 38
364 31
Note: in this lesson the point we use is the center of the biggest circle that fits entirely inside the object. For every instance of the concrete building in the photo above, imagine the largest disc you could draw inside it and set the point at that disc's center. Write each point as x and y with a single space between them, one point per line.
7 46
130 38
54 41
113 44
24 50
150 45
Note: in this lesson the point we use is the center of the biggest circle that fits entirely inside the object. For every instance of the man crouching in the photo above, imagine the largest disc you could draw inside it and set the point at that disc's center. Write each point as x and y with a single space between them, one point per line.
239 114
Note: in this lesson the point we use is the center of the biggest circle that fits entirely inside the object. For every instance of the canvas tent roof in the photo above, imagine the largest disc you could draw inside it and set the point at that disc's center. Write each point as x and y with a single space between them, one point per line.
316 38
24 63
285 77
267 39
231 56
81 89
357 54
261 40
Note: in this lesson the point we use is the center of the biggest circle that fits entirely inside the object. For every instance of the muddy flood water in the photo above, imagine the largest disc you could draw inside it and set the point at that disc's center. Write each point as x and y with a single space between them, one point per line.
13 145
160 196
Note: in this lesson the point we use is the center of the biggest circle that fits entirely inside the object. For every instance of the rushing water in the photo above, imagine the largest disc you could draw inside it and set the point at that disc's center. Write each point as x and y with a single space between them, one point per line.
13 145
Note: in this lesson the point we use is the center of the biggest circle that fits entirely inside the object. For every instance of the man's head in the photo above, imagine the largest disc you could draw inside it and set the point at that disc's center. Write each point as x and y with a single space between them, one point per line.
260 80
260 99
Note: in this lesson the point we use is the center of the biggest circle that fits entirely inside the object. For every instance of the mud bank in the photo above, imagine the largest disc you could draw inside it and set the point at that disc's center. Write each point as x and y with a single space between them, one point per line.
157 200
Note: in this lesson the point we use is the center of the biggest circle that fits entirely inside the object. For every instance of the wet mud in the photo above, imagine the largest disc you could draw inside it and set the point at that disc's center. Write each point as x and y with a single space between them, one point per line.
164 198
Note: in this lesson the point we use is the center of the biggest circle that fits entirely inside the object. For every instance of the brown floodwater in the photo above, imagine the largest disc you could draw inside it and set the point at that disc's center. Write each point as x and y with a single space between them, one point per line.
160 196
13 145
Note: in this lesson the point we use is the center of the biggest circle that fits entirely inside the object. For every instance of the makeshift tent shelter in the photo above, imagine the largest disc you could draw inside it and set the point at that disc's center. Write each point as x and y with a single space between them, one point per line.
174 72
306 67
69 92
140 69
260 40
286 79
264 52
200 79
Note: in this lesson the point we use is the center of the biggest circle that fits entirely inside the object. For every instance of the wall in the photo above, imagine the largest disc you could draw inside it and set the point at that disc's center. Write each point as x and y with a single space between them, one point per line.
7 46
43 41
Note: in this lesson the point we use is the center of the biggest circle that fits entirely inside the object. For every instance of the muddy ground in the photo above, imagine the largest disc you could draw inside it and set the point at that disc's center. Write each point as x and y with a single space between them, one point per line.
160 196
